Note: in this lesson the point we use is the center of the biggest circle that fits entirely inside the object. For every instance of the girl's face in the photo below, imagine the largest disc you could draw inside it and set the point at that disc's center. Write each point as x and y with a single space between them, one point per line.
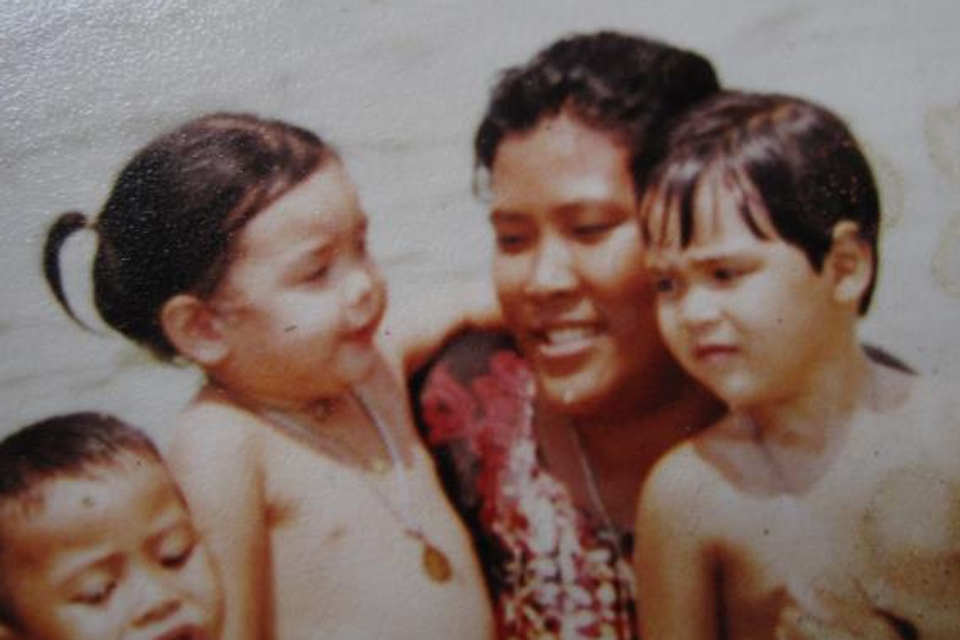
112 556
568 265
748 317
301 300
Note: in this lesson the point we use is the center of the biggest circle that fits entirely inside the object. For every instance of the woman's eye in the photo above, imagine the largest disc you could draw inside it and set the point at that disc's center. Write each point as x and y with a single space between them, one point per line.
665 285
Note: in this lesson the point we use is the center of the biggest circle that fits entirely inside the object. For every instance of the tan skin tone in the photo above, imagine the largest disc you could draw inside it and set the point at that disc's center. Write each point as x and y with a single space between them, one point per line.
568 273
312 544
827 504
111 555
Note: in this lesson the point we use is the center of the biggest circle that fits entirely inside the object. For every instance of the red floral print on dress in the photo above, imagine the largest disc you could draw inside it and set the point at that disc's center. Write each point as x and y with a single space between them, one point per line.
558 575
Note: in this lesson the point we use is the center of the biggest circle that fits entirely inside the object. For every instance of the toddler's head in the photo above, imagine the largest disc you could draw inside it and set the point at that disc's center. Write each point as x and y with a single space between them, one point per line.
760 227
95 539
238 243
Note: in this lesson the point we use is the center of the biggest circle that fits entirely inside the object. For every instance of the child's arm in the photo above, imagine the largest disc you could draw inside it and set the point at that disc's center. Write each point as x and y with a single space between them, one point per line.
676 570
216 463
417 324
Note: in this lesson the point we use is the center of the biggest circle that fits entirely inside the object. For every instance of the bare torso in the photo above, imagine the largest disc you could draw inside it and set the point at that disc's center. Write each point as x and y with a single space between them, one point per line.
343 565
340 558
869 546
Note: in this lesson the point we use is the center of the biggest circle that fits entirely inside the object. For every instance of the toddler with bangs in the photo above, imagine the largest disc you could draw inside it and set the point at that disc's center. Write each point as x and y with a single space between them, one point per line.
826 503
95 539
238 244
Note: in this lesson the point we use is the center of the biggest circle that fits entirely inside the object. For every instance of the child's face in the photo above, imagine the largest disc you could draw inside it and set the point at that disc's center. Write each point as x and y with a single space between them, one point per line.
110 557
748 317
302 300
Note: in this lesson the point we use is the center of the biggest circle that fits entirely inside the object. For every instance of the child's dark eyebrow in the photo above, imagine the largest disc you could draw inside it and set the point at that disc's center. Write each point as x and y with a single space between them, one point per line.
708 260
589 205
505 216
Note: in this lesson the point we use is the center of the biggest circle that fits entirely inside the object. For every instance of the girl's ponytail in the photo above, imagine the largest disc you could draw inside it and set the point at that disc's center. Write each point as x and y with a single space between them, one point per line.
63 227
167 225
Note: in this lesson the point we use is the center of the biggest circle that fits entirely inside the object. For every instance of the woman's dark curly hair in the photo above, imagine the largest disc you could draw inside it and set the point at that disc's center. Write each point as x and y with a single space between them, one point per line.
625 85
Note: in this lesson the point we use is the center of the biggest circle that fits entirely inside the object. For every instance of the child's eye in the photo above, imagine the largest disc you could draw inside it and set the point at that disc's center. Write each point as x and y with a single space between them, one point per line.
511 242
319 272
95 592
176 549
178 559
593 231
725 274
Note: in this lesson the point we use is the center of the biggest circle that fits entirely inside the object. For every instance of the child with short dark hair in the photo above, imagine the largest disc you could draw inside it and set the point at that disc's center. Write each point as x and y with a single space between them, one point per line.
826 503
95 539
239 244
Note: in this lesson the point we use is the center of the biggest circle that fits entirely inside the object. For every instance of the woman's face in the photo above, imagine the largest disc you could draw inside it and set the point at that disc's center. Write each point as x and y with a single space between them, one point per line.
568 267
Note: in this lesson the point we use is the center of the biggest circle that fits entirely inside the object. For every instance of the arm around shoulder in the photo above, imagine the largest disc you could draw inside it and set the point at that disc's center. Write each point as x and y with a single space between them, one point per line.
676 569
418 327
215 459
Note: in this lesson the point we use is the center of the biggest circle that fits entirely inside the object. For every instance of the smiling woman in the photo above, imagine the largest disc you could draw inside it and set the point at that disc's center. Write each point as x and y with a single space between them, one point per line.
567 265
546 434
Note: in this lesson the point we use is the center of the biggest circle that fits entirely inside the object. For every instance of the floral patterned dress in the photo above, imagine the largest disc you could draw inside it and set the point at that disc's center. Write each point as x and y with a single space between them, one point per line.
552 569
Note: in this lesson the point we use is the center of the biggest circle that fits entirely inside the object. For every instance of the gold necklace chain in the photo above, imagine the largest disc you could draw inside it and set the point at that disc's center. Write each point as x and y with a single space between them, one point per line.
435 563
593 491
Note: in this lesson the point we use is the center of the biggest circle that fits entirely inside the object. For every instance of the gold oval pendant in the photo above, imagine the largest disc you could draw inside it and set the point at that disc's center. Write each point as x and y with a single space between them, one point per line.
435 563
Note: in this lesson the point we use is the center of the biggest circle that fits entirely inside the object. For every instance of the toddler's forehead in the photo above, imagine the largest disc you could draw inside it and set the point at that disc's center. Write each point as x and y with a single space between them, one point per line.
92 490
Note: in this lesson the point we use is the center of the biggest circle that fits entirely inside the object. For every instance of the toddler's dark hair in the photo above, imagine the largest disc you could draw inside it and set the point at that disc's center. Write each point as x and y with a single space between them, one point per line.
625 85
167 226
797 158
65 446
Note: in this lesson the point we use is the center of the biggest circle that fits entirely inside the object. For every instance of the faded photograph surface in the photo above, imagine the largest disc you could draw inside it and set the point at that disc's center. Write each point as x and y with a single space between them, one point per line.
375 320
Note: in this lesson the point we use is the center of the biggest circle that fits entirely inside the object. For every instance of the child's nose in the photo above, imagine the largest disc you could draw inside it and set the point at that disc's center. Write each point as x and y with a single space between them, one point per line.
358 286
699 306
154 601
552 270
361 292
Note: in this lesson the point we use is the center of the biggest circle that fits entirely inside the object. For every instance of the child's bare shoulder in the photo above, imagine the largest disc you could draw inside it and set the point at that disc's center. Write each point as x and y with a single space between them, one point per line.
207 417
693 471
210 432
922 415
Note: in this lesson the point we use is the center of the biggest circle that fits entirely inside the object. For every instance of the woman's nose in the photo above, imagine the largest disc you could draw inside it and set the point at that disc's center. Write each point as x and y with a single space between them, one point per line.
552 270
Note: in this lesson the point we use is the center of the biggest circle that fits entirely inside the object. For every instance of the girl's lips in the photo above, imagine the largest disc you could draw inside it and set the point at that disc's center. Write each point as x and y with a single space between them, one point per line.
364 332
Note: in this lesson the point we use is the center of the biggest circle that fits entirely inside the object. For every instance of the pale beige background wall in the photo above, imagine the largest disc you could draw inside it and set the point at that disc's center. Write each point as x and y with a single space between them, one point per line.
399 87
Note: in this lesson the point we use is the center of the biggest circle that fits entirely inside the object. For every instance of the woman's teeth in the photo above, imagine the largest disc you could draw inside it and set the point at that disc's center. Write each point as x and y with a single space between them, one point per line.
570 335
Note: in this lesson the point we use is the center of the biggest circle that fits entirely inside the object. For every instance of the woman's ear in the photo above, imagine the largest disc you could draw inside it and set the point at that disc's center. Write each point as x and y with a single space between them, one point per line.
850 263
195 330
